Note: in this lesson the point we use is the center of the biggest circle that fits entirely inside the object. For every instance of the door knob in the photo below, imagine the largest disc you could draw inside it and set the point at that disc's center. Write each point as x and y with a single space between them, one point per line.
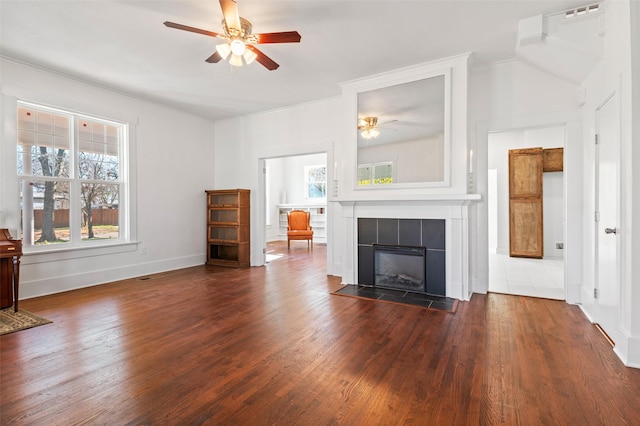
610 231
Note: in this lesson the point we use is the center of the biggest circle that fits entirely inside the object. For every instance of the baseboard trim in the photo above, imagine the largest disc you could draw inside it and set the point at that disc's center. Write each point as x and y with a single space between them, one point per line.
59 284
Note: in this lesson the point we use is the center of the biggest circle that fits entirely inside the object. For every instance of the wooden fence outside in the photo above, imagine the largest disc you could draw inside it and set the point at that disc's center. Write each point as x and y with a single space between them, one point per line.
61 217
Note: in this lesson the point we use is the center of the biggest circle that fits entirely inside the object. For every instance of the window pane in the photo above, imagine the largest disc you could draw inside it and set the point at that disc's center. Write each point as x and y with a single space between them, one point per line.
26 119
98 156
317 174
50 201
364 175
317 190
382 173
43 143
99 211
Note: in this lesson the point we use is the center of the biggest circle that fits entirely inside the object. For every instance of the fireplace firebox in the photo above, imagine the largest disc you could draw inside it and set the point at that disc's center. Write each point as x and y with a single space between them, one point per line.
400 267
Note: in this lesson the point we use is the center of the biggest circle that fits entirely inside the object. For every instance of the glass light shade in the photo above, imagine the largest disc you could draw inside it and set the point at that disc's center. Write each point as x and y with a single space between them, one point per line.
223 50
236 60
370 133
237 47
249 56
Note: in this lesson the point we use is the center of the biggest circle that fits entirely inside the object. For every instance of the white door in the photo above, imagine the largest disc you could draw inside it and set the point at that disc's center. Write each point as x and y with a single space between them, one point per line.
607 302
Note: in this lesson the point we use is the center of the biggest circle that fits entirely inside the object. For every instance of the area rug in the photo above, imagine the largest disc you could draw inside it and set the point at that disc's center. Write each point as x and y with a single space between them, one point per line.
425 301
15 321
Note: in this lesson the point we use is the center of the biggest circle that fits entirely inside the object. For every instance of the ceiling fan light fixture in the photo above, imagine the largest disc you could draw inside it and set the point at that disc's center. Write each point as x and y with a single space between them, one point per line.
237 47
370 133
249 56
235 60
367 127
224 50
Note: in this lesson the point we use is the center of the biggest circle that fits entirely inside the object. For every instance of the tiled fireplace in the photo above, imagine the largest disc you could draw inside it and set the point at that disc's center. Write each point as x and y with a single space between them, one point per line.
403 254
439 223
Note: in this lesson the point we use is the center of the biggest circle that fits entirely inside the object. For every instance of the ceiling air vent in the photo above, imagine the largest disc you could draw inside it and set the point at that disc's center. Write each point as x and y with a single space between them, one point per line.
582 11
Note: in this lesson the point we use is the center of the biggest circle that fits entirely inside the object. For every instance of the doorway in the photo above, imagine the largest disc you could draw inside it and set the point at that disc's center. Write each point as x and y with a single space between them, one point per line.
525 276
294 182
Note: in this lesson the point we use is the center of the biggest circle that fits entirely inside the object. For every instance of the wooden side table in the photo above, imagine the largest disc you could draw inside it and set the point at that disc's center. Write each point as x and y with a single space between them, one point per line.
10 253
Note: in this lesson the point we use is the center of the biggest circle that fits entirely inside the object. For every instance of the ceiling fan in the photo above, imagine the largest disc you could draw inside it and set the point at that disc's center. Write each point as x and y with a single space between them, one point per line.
369 127
240 46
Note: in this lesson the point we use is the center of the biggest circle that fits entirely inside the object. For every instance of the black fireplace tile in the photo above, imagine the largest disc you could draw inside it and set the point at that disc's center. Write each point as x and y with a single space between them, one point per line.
351 290
433 233
410 234
365 264
405 300
388 231
367 231
399 296
436 272
369 292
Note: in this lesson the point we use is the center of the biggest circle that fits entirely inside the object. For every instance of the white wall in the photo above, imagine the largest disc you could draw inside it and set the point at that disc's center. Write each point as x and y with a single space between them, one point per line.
509 96
615 74
173 165
243 143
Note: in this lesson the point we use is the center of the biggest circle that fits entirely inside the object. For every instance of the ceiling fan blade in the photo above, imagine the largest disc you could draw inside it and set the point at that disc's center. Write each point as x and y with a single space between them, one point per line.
191 29
266 61
281 37
230 12
214 58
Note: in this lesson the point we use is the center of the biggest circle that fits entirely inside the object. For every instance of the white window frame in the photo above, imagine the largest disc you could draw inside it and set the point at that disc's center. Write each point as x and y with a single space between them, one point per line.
126 208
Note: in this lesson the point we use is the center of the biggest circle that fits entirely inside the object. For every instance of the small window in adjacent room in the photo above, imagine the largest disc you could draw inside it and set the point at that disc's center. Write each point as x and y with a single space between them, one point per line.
376 173
72 177
315 179
364 174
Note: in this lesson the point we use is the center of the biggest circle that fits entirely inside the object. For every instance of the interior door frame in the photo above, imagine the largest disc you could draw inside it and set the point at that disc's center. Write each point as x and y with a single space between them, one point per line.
260 227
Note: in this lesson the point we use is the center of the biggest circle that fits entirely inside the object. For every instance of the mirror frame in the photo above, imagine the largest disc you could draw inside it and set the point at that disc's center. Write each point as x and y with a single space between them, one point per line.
389 80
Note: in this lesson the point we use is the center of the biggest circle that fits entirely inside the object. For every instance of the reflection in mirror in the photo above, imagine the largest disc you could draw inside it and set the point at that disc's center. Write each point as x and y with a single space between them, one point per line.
401 133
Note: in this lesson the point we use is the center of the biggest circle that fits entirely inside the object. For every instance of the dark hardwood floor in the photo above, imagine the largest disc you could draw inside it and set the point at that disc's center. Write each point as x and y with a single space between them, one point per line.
270 345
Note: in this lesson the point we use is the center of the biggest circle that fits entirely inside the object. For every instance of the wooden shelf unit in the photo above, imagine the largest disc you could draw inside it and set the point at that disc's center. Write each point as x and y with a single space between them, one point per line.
318 220
228 227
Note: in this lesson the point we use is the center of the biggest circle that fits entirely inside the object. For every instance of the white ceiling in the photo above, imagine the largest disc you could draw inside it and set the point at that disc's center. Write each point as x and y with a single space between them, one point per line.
123 45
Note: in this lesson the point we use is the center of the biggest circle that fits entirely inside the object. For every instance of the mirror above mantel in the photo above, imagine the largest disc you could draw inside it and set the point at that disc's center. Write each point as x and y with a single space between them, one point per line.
419 143
403 135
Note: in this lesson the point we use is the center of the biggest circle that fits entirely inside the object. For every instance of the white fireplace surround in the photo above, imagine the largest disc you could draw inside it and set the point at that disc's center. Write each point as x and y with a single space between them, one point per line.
452 208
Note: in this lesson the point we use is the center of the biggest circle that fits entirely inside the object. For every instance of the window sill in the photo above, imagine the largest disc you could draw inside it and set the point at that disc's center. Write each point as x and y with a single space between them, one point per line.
76 252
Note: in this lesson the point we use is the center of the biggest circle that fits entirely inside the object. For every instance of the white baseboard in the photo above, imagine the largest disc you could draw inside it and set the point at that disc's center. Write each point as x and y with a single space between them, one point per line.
43 287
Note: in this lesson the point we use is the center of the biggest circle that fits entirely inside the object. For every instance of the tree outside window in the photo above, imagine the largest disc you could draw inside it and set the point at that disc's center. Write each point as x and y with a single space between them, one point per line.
315 178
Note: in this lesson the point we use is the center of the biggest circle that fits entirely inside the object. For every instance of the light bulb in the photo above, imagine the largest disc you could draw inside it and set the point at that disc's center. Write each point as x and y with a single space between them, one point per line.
237 47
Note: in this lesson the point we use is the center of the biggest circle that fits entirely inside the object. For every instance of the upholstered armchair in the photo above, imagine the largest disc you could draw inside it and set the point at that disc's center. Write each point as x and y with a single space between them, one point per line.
299 227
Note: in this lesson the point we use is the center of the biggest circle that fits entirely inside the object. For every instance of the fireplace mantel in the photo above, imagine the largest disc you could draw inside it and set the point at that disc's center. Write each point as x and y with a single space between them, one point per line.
453 208
449 199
